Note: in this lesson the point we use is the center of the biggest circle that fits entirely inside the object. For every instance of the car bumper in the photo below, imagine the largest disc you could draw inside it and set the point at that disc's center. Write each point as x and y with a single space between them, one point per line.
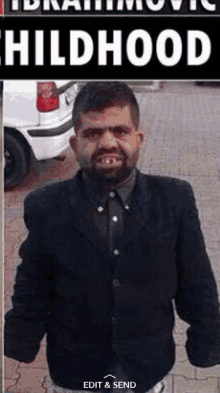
50 132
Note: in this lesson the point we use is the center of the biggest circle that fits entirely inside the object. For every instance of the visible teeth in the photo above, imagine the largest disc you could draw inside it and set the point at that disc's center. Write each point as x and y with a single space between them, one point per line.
108 160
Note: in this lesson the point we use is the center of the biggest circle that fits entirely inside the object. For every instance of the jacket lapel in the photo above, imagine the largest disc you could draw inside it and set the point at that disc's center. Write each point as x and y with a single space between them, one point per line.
140 214
82 210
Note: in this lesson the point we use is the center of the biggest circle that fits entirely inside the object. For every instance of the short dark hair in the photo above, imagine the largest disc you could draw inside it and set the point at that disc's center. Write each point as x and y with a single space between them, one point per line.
97 96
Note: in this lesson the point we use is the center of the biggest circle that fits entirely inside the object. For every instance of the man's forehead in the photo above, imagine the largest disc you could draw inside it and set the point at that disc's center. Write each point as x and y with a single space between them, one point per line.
109 115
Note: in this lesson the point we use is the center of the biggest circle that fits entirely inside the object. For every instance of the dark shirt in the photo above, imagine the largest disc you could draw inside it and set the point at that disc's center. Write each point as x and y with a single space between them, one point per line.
110 206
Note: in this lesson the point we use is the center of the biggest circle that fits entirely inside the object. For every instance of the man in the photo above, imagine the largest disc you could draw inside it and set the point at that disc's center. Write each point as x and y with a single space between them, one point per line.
106 254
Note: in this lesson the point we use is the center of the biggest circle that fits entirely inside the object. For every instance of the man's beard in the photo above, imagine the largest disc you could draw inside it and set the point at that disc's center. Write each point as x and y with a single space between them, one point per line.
111 178
107 176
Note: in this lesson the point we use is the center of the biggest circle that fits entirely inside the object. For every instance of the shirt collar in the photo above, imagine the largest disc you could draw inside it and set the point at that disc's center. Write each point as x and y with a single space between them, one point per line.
99 196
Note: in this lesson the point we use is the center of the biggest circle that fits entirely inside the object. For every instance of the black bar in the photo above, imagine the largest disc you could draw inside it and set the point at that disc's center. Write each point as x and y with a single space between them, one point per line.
127 26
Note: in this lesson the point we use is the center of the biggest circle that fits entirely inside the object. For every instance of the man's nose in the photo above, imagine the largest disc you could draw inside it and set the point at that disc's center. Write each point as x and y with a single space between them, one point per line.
108 140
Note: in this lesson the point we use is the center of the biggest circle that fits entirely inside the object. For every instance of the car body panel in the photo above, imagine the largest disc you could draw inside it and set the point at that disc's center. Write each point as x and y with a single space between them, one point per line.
19 108
20 113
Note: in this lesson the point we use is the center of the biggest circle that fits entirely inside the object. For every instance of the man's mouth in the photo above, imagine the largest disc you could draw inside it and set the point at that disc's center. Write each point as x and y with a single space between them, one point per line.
109 161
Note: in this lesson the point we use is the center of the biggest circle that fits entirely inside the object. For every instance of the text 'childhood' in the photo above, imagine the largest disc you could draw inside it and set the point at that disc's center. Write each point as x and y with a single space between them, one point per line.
139 48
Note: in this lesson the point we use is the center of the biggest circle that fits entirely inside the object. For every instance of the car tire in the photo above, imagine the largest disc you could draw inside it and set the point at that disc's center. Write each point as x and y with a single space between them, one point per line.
15 161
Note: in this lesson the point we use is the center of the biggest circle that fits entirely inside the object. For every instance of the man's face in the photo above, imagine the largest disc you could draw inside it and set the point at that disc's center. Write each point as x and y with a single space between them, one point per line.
107 145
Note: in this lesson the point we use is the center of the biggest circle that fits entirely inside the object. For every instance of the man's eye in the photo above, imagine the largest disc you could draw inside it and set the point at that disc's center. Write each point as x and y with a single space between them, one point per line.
93 133
119 132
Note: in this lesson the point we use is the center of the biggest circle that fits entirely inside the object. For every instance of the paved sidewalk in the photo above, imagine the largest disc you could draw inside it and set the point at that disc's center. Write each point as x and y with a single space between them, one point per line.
182 126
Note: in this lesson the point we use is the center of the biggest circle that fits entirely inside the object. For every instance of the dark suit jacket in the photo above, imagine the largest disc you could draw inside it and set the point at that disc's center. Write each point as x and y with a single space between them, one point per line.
65 285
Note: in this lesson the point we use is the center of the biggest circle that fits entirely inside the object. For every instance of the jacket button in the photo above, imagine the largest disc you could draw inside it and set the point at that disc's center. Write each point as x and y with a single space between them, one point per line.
116 282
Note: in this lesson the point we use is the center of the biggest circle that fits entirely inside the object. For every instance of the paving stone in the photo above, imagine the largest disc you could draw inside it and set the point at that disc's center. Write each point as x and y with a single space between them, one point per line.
169 384
19 389
15 198
168 381
10 252
180 338
14 235
7 302
13 211
185 369
12 260
182 365
8 383
183 385
9 279
11 369
211 234
30 381
204 373
181 354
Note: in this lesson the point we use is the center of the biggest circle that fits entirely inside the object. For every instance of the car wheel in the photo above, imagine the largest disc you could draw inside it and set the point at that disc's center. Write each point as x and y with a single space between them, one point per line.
15 161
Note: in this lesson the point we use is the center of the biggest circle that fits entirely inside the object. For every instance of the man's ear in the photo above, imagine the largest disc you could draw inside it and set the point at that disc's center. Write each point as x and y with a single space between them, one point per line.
73 143
141 136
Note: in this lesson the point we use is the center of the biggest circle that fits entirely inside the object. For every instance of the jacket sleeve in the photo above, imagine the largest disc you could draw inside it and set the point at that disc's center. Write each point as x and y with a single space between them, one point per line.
197 297
25 323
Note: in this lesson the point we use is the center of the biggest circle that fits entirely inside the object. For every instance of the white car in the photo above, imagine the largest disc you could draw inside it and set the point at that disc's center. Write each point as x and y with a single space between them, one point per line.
37 117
